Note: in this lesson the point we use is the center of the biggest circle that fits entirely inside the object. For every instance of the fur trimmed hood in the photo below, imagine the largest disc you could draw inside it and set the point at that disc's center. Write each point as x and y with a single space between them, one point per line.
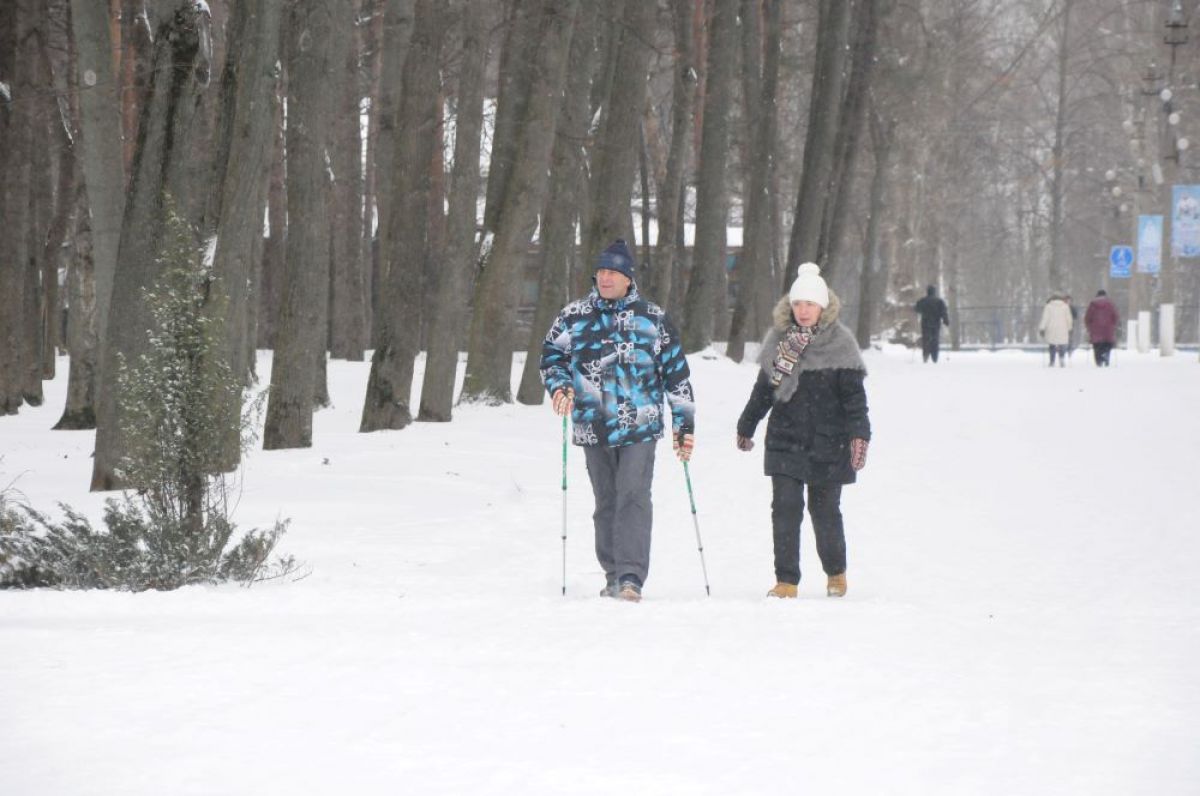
831 348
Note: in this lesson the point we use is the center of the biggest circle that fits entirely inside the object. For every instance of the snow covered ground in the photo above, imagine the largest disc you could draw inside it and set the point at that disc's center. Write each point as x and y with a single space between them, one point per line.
1023 614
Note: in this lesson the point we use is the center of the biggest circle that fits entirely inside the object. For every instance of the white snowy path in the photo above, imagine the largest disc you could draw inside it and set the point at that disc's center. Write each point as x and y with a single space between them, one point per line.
1023 614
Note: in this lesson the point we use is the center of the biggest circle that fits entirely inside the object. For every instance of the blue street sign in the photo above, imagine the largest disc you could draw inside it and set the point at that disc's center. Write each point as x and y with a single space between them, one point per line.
1121 260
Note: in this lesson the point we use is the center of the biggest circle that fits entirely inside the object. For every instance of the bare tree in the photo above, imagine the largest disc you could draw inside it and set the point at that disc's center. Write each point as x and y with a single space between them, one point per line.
15 21
180 70
825 102
489 357
82 345
669 199
754 266
614 155
707 281
450 303
347 306
557 235
387 402
397 32
242 166
300 335
874 272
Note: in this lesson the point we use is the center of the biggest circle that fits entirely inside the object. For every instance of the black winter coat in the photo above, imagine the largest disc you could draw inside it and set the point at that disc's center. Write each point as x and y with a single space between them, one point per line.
815 411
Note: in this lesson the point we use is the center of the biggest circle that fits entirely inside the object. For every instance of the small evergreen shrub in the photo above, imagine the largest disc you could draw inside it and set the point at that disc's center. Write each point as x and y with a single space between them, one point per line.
186 420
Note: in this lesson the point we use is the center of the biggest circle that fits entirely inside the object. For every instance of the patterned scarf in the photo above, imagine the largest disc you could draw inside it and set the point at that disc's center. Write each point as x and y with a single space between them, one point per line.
791 346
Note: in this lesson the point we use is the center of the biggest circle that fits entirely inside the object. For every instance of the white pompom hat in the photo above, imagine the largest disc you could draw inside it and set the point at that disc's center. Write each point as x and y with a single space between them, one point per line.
809 286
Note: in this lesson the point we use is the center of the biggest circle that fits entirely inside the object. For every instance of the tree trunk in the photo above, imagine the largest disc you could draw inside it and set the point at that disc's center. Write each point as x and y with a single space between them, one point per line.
514 77
273 250
348 315
761 120
615 153
825 101
14 193
300 333
874 271
1057 188
100 147
706 285
82 345
853 114
489 358
387 404
397 32
670 192
557 236
243 166
450 304
180 71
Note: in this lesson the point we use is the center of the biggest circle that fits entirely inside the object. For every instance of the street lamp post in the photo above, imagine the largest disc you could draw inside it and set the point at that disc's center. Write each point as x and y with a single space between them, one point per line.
1172 145
1138 315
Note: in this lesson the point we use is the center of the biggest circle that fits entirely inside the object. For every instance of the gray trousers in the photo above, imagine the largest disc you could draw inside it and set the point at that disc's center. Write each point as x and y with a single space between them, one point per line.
621 485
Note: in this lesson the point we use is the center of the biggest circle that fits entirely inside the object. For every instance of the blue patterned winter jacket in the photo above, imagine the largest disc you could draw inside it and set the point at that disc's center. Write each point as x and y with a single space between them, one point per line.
620 356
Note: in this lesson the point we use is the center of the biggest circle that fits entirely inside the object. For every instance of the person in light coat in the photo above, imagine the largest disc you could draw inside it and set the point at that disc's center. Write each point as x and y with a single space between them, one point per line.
1055 328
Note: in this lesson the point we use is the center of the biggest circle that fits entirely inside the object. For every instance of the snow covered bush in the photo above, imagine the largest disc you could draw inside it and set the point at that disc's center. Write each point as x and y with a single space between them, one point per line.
186 420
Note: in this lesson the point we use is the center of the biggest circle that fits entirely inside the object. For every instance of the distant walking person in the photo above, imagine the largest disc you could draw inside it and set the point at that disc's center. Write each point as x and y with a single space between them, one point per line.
933 317
1055 327
1101 320
608 361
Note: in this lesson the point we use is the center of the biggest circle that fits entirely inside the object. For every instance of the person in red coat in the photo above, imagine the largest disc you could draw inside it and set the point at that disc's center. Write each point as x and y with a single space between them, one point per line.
1101 322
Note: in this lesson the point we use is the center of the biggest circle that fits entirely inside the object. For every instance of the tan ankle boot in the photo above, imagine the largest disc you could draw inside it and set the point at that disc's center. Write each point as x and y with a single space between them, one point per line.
836 586
782 590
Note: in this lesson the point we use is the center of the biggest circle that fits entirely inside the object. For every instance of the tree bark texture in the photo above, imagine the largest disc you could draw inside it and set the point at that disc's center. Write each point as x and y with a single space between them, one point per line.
849 137
670 193
274 249
387 404
489 358
614 156
347 306
246 147
100 147
754 265
180 69
825 101
557 235
515 77
82 345
397 32
14 195
300 333
707 282
874 271
450 303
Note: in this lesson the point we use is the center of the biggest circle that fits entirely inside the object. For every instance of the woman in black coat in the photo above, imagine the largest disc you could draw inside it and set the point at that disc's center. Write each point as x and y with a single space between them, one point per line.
811 381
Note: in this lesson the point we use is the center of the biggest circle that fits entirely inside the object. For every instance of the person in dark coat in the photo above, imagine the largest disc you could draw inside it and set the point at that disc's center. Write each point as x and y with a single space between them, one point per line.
608 361
1101 320
933 317
810 380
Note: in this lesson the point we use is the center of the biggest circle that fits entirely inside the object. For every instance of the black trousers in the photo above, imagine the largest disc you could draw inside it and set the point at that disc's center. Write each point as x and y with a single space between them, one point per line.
930 340
787 513
1100 352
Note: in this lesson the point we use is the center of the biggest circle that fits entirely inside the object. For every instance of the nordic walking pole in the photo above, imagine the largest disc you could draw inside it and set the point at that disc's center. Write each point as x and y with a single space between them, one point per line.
696 524
564 523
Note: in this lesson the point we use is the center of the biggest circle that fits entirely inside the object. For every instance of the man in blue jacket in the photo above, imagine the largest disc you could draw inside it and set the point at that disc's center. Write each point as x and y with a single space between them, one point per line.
608 360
